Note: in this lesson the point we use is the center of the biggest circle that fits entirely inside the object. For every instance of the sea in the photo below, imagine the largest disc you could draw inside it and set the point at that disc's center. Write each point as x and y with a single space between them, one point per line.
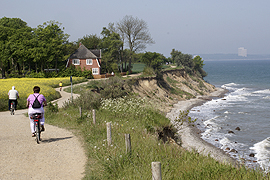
239 122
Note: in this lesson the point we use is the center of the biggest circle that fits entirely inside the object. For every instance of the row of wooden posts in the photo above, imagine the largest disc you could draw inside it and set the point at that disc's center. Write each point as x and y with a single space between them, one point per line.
156 166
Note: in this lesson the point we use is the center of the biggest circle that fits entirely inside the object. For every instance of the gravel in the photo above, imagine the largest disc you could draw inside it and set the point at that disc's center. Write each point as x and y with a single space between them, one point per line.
60 154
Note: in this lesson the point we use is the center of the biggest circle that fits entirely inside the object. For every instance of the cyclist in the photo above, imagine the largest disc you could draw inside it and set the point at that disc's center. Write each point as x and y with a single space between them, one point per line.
60 85
30 100
13 95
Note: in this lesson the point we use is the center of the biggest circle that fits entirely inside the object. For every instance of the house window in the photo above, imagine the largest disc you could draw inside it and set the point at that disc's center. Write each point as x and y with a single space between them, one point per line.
89 62
94 70
76 61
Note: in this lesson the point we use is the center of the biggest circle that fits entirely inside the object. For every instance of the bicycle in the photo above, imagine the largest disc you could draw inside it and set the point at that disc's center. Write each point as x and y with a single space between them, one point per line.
12 107
36 117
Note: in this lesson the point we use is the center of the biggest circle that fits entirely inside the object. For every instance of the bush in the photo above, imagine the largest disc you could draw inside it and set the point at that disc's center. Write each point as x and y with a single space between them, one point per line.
148 71
114 87
53 107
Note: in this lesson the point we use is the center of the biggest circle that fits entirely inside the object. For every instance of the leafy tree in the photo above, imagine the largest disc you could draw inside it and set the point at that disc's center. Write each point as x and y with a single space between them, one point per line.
50 44
135 32
198 61
153 60
89 41
14 44
181 59
111 46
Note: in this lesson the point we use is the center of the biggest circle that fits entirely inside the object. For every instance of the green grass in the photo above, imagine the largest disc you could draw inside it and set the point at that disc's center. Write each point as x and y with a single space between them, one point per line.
137 68
135 117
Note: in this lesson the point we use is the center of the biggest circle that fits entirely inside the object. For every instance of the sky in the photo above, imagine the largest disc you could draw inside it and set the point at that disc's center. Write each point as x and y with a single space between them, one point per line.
190 26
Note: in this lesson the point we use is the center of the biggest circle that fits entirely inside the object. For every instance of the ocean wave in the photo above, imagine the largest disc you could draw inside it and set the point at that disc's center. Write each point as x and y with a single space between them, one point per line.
242 112
264 91
266 97
231 84
262 153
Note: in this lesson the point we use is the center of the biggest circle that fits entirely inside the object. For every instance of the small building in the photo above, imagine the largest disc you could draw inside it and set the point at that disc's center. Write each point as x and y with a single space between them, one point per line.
86 59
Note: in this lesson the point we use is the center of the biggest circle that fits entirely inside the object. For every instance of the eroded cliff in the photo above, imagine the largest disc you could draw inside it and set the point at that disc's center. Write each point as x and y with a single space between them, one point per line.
172 86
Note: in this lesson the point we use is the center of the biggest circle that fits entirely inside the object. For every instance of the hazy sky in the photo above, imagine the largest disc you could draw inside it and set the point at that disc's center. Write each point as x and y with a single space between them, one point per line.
190 26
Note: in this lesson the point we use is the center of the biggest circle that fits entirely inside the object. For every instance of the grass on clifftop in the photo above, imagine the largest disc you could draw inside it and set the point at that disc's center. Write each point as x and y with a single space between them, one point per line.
134 116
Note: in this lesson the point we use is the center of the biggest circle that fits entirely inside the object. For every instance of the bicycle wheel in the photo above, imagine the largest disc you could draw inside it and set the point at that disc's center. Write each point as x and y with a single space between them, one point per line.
37 132
11 109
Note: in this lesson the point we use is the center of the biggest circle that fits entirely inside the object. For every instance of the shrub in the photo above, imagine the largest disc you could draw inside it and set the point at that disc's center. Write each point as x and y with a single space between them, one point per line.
148 71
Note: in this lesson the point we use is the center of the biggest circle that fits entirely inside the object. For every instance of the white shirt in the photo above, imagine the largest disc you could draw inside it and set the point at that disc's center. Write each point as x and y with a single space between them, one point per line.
13 94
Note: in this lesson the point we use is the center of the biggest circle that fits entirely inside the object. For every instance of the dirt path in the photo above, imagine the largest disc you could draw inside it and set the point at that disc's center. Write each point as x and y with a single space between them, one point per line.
59 155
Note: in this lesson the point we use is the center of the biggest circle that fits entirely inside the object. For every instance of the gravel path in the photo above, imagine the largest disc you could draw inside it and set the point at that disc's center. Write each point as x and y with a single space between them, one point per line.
59 156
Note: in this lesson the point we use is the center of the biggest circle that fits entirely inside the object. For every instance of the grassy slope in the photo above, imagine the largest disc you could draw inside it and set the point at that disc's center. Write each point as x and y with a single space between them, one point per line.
142 123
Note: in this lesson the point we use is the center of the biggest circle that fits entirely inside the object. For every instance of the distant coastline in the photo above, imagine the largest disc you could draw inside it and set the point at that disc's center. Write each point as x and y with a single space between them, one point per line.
222 57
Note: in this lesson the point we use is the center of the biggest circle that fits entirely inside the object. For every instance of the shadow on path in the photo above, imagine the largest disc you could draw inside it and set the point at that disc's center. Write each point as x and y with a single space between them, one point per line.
55 139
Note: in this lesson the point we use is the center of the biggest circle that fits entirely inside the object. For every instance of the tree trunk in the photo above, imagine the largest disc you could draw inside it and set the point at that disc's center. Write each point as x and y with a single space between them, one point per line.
129 66
3 73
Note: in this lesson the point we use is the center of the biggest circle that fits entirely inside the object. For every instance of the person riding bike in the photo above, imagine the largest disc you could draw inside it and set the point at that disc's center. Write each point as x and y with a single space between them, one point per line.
32 110
60 85
13 95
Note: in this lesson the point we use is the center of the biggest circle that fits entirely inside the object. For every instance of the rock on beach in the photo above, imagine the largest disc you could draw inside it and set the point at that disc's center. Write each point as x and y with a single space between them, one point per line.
190 135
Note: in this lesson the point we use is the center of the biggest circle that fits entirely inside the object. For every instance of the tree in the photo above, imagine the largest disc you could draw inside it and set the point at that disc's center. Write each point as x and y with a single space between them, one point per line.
153 60
135 32
89 41
198 61
15 36
111 46
50 42
184 60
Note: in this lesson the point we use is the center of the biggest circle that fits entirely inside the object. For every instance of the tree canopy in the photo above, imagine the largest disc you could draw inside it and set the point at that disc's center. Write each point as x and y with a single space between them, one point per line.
135 33
191 65
24 49
32 48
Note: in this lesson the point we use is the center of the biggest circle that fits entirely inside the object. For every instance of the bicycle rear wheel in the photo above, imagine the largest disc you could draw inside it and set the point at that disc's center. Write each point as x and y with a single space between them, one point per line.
37 132
12 109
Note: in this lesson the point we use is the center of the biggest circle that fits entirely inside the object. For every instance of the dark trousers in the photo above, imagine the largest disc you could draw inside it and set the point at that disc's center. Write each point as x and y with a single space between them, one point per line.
9 103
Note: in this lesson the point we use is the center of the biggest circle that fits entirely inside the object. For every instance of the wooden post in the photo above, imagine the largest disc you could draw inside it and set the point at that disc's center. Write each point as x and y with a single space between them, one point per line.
156 171
94 116
109 134
80 110
128 143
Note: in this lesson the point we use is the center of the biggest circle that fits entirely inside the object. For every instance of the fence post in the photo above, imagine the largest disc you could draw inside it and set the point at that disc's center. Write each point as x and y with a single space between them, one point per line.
128 143
94 116
156 171
109 134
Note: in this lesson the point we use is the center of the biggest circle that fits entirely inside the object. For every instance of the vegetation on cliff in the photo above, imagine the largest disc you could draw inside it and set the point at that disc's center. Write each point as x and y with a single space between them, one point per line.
125 103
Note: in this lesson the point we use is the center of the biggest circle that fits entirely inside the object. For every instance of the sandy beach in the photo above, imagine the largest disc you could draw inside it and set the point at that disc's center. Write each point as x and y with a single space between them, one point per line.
190 136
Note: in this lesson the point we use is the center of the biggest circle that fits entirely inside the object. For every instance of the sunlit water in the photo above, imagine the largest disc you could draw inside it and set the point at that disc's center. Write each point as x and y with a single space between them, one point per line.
246 105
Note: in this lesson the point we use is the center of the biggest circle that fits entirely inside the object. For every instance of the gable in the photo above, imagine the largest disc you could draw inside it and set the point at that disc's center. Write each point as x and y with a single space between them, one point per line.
83 53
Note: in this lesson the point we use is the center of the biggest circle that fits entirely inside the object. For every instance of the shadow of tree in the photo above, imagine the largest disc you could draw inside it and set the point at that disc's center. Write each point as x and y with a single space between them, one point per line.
55 139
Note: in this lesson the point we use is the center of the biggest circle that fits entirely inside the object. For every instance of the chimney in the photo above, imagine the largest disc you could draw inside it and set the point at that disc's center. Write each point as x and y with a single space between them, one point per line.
80 44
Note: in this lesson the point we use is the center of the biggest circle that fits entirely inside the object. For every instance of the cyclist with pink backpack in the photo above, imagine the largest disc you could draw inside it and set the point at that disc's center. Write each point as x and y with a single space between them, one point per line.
35 104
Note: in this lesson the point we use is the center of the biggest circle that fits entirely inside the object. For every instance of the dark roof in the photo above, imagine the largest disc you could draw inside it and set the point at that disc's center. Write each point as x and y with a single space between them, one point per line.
83 53
96 52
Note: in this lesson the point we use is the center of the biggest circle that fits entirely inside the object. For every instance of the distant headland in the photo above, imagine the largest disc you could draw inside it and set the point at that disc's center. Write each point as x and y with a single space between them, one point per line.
216 57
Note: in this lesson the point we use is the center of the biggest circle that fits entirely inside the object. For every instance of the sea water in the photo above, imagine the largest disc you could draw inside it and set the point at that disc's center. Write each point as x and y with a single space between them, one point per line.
246 106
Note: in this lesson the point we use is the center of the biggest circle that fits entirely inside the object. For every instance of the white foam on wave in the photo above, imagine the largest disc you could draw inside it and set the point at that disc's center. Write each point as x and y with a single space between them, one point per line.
264 91
266 97
262 153
242 112
230 84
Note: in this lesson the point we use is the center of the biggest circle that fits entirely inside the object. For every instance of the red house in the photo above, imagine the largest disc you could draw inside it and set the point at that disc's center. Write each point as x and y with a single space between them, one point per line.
86 59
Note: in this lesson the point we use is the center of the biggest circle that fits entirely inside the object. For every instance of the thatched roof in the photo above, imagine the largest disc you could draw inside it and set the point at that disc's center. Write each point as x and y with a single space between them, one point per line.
83 53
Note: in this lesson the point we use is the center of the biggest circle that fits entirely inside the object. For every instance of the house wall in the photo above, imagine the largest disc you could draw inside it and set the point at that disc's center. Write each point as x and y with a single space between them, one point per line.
83 64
